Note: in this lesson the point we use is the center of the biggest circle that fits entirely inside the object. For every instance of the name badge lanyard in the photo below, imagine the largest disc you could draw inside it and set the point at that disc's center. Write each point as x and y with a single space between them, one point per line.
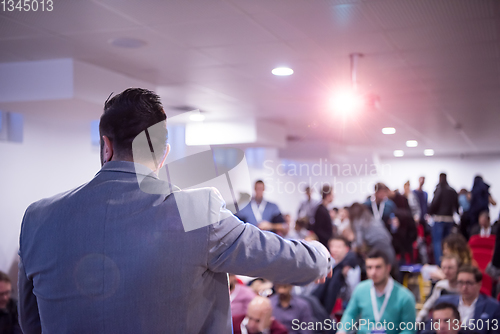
378 212
376 313
258 210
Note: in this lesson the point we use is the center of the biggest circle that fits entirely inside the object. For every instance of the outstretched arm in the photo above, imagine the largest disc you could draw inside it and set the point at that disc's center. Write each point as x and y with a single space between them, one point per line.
243 249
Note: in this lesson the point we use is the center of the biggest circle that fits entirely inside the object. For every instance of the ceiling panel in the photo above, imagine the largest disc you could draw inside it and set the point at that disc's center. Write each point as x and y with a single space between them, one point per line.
445 34
403 14
11 29
216 33
422 57
159 12
73 16
278 53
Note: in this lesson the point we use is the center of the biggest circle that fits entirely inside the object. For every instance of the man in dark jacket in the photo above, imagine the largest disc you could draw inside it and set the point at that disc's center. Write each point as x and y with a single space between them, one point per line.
322 221
8 307
443 206
345 259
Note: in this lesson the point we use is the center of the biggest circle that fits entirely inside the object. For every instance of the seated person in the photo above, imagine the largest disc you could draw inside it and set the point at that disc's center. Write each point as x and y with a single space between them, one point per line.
240 296
446 320
455 244
484 228
289 309
345 276
449 265
8 307
299 231
259 319
474 308
379 299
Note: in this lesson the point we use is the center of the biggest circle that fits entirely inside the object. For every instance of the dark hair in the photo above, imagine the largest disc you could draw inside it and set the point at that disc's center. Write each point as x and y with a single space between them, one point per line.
128 114
4 277
302 222
445 306
467 268
484 212
340 238
357 211
442 178
258 181
380 186
377 253
327 190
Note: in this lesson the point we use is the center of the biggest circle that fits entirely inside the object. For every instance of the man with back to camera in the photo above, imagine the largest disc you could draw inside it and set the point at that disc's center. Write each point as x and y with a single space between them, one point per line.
323 226
379 299
443 206
108 257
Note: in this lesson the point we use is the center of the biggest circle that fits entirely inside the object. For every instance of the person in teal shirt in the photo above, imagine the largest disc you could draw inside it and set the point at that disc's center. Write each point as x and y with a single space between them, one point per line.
395 305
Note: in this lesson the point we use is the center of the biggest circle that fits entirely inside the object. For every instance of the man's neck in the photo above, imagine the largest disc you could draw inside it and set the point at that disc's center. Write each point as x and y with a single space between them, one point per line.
453 283
258 200
469 301
380 287
285 300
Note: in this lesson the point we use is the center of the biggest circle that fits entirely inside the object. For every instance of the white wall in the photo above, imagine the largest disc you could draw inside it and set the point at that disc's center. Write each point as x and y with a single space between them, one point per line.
354 182
56 155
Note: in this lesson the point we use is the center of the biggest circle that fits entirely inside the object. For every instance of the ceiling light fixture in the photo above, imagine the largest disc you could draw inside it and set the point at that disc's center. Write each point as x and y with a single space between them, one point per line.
282 71
429 152
411 143
399 153
127 42
346 102
388 131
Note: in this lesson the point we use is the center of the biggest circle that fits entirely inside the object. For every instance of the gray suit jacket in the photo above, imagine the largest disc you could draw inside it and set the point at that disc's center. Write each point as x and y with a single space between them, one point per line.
107 257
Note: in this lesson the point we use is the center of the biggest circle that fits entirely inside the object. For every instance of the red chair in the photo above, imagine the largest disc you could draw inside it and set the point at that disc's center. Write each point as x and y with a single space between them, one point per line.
482 252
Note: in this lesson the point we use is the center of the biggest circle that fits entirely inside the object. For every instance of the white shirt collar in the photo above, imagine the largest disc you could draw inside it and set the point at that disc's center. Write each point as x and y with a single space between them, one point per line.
485 232
461 302
388 286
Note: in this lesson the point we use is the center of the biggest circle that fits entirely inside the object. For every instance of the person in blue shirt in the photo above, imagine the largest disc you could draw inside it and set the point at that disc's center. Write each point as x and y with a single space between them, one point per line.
261 213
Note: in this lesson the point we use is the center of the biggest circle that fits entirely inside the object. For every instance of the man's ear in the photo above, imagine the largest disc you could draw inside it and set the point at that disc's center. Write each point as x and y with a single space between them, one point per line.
164 157
107 150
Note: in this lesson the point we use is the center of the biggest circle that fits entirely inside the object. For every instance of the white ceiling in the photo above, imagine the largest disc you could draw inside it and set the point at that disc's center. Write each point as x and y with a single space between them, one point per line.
434 63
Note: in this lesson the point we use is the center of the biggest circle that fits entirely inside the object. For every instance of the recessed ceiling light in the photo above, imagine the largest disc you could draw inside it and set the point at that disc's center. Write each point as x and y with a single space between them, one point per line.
388 131
399 153
429 152
411 143
127 42
346 102
282 71
197 117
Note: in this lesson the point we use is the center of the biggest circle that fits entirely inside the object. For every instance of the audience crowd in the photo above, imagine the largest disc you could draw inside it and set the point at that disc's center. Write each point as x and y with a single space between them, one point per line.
451 242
